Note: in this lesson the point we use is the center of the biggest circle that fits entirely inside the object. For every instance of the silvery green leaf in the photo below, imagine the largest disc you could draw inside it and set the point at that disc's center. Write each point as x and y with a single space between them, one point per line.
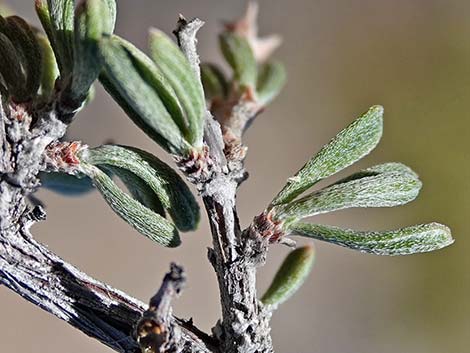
138 188
392 167
290 276
350 145
29 50
158 81
271 79
140 217
10 69
66 184
239 55
166 184
180 75
213 81
60 15
49 71
123 79
93 20
405 241
381 190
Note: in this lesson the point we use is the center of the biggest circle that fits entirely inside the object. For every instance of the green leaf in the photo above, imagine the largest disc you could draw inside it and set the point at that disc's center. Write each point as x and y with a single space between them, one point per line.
136 95
167 185
10 69
381 190
405 241
350 145
290 276
60 18
49 71
391 167
213 81
138 188
29 50
93 20
140 217
66 184
158 81
271 79
180 75
239 55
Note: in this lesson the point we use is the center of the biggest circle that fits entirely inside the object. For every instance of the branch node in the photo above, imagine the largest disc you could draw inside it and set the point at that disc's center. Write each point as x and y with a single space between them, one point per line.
156 331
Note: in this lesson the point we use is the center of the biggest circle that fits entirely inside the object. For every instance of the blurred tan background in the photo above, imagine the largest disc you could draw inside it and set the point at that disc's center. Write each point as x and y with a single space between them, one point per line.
342 56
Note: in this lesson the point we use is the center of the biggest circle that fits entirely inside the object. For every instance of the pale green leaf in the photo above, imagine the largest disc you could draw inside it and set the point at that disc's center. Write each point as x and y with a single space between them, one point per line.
49 71
60 15
350 145
140 217
213 81
167 185
405 241
155 77
271 79
239 55
180 75
290 276
381 190
93 20
137 96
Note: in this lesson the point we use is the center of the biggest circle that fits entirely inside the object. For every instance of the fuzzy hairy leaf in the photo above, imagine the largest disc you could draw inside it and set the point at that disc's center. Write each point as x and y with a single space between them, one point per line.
239 55
381 190
140 217
10 69
271 79
166 184
290 276
180 75
350 145
123 79
29 50
59 15
405 241
138 188
213 81
93 20
156 78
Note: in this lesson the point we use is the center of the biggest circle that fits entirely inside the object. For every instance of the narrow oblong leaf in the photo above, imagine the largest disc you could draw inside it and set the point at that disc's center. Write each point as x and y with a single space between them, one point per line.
66 184
50 71
271 79
158 81
132 91
290 276
406 241
179 73
167 185
139 190
239 55
29 50
213 81
350 145
140 217
60 15
381 190
10 69
392 167
93 20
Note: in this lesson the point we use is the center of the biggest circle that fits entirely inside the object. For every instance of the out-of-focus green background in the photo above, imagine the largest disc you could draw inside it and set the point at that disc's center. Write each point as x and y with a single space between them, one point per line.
411 56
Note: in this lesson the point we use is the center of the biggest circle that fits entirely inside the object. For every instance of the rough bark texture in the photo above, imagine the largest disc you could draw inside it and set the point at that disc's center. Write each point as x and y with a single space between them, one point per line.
107 314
